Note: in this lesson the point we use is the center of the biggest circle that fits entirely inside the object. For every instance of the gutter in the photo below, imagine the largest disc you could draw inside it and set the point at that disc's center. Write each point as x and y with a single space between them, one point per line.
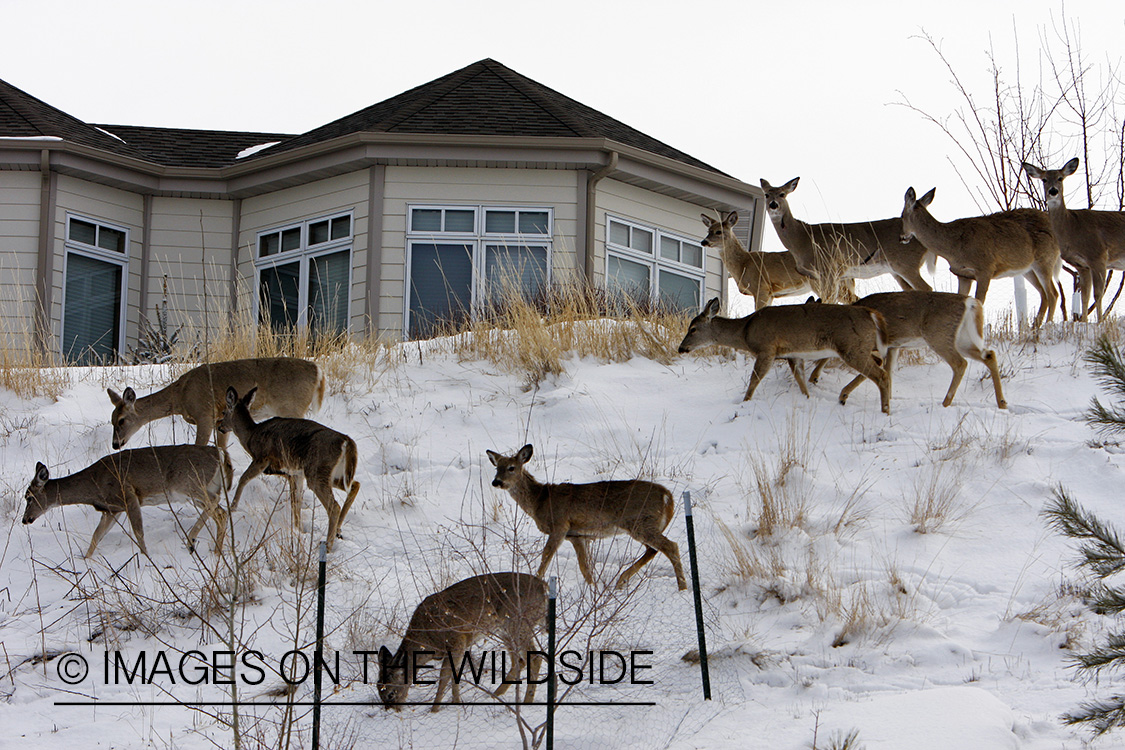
591 205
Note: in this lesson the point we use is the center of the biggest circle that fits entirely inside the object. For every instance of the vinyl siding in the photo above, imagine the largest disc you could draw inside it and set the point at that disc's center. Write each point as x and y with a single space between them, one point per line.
19 251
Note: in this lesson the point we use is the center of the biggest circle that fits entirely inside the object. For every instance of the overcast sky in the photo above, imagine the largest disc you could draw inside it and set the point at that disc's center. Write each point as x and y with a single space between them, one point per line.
774 90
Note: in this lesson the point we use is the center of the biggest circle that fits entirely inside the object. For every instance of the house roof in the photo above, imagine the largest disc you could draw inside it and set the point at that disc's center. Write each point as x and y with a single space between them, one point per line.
487 98
178 147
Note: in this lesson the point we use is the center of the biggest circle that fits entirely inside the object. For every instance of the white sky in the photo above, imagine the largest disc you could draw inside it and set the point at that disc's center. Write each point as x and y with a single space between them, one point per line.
772 90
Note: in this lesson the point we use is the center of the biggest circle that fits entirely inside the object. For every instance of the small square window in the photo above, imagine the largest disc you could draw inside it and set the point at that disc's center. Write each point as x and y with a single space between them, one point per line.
533 222
426 220
318 232
459 220
111 239
84 232
692 254
669 248
500 222
618 234
290 239
268 244
341 227
641 240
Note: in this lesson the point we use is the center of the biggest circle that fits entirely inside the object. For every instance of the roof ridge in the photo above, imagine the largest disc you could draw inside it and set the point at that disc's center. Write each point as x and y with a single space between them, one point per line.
533 90
436 91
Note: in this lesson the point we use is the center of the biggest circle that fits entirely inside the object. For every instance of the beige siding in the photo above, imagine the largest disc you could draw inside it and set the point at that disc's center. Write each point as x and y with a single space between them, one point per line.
189 242
109 205
348 192
19 252
660 211
555 189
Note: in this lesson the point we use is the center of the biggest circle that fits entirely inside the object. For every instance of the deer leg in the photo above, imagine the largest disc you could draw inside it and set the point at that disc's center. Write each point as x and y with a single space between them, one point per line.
203 428
535 661
761 366
983 282
583 554
643 560
867 366
1097 279
656 542
989 359
295 499
323 491
254 469
958 364
352 492
103 526
133 511
446 673
1047 295
815 377
847 389
553 541
797 367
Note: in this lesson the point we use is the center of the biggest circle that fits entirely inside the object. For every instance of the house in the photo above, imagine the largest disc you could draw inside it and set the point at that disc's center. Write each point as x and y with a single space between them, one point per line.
410 211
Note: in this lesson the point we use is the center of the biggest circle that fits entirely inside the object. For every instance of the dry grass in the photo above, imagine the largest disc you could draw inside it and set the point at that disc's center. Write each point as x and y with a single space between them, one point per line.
936 499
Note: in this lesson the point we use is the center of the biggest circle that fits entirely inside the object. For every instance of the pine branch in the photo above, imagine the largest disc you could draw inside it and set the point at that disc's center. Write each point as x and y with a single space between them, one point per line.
1108 656
1102 715
1108 365
1103 552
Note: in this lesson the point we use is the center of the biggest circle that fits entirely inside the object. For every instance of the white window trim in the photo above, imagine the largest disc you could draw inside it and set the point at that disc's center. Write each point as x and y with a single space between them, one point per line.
654 261
479 241
302 255
97 253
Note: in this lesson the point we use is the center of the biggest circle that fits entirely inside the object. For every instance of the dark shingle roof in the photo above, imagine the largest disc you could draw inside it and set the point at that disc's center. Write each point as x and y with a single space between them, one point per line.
487 98
177 147
24 116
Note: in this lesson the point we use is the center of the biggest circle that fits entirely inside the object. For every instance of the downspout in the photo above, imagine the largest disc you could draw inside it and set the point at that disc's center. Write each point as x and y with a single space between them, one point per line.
591 204
45 261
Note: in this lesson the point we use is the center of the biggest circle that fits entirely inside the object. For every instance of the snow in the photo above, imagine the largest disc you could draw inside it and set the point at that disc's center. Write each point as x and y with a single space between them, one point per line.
844 619
255 149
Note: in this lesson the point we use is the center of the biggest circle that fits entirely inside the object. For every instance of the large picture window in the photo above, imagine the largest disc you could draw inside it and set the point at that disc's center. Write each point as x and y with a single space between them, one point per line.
97 260
465 258
652 266
304 275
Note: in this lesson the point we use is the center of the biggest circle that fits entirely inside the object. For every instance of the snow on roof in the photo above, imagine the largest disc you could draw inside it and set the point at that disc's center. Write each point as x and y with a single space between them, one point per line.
255 149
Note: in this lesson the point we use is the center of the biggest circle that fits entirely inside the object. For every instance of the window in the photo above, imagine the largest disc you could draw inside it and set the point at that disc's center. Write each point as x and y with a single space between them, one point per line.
304 275
653 266
93 300
464 258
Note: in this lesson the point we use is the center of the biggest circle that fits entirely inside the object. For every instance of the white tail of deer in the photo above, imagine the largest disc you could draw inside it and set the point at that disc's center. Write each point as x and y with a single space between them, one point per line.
296 448
577 512
950 324
1009 243
860 250
762 276
287 387
127 480
1091 241
509 606
799 332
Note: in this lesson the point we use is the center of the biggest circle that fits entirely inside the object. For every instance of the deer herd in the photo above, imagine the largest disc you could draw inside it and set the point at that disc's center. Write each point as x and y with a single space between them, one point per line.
237 396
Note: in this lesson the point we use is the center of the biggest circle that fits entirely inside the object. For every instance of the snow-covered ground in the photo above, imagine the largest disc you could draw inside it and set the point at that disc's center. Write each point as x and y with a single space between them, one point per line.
842 616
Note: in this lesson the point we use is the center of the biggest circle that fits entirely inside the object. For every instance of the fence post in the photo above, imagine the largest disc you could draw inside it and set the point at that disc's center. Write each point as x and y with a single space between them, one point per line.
552 595
698 598
318 654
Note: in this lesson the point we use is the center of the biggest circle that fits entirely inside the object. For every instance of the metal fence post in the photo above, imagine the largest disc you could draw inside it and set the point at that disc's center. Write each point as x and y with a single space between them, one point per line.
552 595
318 654
698 598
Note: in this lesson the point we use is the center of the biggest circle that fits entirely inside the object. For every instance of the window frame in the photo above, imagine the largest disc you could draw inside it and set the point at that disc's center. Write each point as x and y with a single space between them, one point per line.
479 239
120 259
655 260
303 255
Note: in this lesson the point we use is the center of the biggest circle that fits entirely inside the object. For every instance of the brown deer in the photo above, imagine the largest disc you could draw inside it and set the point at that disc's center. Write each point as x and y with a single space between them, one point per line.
127 480
950 324
288 387
296 448
578 512
510 606
762 276
799 332
860 250
1091 241
1008 243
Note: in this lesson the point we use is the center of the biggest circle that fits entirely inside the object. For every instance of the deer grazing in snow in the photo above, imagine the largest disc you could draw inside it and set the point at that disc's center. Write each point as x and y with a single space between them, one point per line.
1091 241
145 476
578 512
950 324
1008 243
762 276
296 448
799 332
287 387
861 250
511 606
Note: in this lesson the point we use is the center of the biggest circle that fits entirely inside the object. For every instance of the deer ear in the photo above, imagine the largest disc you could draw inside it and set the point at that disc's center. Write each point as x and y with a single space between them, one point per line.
928 198
706 220
711 309
732 219
114 397
1070 167
232 396
249 397
910 196
525 454
493 456
41 474
790 186
1033 171
765 184
129 395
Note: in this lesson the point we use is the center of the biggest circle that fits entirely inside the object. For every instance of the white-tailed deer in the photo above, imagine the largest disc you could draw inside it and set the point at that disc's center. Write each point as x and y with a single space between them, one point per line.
296 448
509 606
796 333
762 276
983 248
860 250
950 324
1091 241
127 480
287 387
578 512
